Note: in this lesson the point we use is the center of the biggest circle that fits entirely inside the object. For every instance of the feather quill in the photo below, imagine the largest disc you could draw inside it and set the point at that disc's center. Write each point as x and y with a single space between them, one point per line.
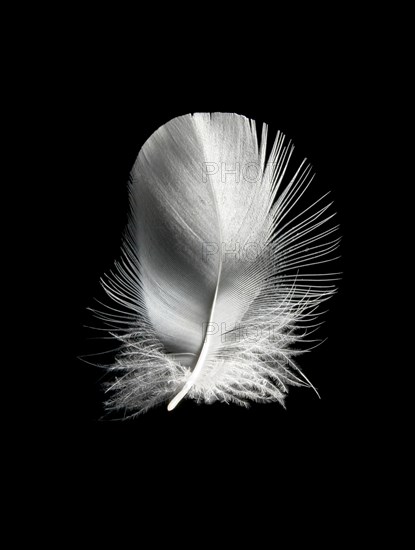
211 297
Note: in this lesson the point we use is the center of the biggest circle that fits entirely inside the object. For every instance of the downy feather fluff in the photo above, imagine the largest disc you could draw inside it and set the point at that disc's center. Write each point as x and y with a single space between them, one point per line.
212 292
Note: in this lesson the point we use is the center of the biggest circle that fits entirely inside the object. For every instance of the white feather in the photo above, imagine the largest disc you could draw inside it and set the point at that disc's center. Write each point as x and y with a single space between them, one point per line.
213 304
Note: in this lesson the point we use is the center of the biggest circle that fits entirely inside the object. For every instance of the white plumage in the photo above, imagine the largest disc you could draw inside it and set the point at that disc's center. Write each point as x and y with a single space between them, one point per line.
210 283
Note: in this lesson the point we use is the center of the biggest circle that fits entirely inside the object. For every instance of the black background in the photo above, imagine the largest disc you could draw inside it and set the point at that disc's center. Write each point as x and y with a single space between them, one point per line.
111 104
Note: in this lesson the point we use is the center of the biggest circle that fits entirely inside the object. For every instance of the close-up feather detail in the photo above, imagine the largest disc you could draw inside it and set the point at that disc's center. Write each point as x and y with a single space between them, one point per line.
222 271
